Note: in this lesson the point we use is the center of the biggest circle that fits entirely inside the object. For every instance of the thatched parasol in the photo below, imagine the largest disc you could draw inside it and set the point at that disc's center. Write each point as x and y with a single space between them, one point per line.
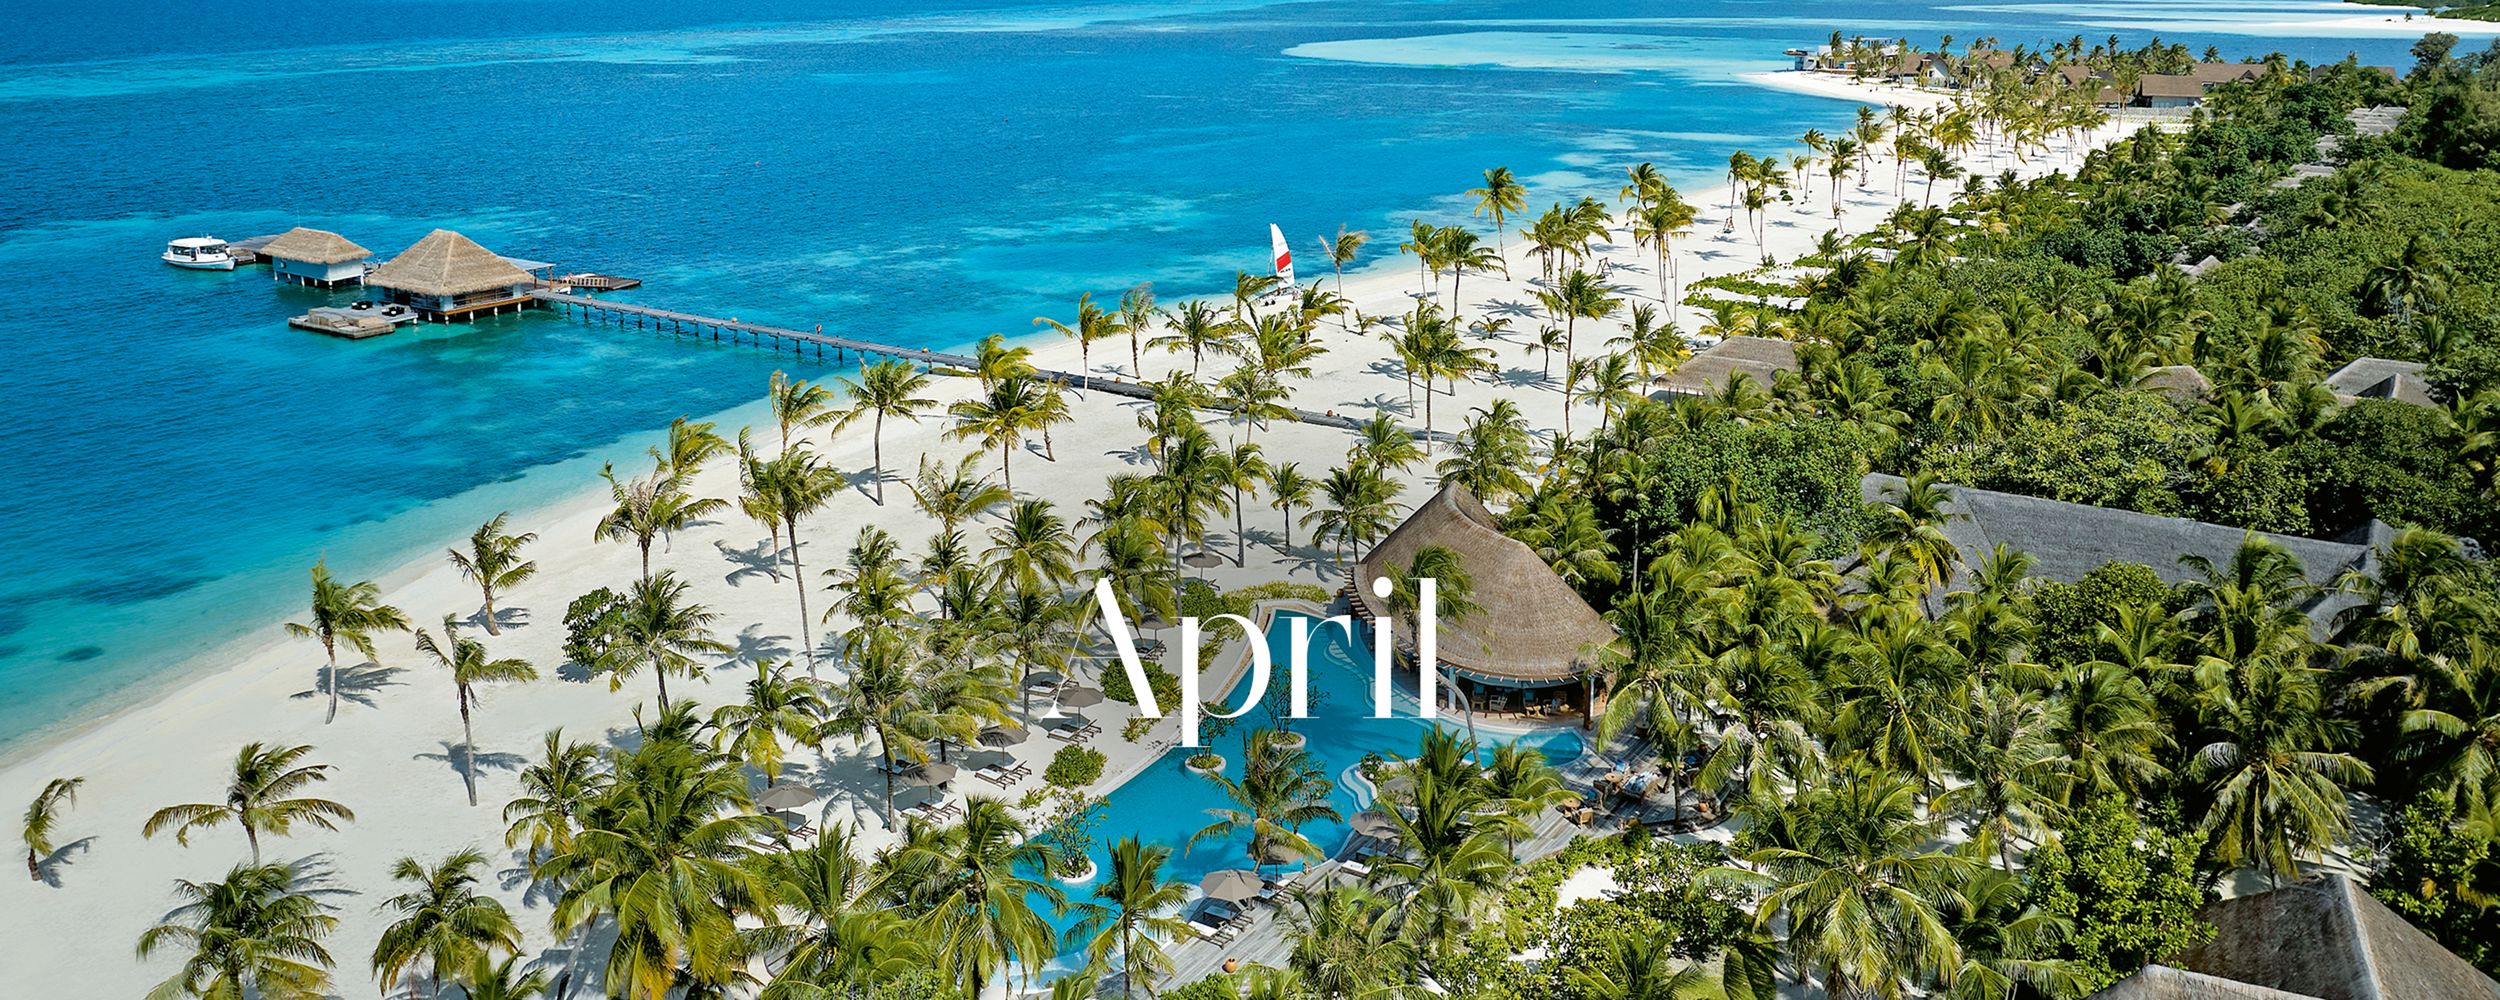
927 774
1074 696
784 797
1232 885
1003 736
1375 824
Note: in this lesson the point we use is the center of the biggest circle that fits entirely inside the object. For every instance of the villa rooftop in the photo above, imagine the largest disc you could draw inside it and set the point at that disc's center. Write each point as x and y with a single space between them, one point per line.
2068 540
1530 627
446 264
2324 939
1707 372
314 246
2382 378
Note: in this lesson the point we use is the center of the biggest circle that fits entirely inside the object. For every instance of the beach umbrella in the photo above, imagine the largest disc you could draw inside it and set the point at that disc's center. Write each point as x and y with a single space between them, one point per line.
1153 622
1003 736
1232 885
1043 679
1375 824
928 774
1080 697
1202 559
784 797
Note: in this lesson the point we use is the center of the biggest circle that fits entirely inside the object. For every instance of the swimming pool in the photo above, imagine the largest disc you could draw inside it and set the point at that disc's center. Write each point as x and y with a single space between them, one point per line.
1165 802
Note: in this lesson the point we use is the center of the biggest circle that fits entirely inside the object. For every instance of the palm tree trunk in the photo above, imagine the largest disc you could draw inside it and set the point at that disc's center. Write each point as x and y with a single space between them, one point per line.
645 545
468 749
660 671
1006 468
490 611
252 836
807 642
876 451
330 647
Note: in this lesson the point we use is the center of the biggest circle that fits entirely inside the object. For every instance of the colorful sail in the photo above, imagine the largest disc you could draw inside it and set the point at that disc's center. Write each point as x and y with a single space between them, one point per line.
1284 254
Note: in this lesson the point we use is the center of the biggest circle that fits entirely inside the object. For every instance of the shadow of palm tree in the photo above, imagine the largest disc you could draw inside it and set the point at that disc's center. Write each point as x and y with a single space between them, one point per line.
1513 309
1136 455
458 756
505 617
754 646
48 868
357 684
1385 401
1524 378
762 560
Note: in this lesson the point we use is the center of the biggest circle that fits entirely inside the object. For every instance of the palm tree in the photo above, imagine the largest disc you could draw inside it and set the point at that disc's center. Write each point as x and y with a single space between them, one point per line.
1288 488
494 562
1523 785
1863 901
886 388
1346 944
793 485
800 405
345 612
660 860
882 699
1578 296
1454 601
556 795
443 923
254 934
1640 967
256 799
967 883
2276 784
41 814
690 445
775 710
1137 312
999 417
954 496
470 665
1242 469
1093 323
1500 196
1197 328
487 979
1343 250
657 627
1131 908
647 509
838 938
2010 762
1281 788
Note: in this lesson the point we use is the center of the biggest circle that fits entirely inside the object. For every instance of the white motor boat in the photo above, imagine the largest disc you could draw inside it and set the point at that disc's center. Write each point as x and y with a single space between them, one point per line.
200 253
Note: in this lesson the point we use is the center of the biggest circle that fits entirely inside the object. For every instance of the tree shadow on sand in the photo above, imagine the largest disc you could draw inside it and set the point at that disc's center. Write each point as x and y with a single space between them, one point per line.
357 684
762 560
505 618
754 645
458 756
48 868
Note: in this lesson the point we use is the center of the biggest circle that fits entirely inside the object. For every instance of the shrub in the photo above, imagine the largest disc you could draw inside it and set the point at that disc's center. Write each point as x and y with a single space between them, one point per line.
2129 891
1167 688
590 626
1074 767
1206 761
1215 987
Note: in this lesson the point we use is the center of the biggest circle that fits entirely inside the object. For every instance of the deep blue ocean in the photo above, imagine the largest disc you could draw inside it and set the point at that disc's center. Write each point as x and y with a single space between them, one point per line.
919 172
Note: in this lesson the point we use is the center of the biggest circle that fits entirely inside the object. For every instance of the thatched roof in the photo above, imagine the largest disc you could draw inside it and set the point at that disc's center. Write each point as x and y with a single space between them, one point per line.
2177 381
314 246
447 263
2328 938
1704 373
2167 85
2381 378
1530 626
2223 72
2161 982
2068 540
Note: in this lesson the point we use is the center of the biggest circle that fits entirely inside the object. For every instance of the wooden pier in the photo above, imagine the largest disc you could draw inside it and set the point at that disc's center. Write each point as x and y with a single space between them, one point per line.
840 350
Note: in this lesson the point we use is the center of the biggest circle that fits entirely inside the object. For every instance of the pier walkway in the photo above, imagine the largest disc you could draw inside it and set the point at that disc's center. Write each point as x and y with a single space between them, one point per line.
806 343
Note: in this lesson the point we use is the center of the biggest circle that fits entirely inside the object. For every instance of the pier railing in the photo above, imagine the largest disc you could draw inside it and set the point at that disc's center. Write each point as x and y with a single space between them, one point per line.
841 349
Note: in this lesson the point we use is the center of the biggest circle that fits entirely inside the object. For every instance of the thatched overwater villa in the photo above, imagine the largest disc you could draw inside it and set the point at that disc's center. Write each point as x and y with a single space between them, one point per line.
447 276
1529 646
316 257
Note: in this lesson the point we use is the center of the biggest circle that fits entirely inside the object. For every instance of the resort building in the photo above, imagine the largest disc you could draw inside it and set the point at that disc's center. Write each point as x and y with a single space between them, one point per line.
2180 382
2381 378
2166 90
316 257
2068 540
2324 939
1759 358
1532 639
447 276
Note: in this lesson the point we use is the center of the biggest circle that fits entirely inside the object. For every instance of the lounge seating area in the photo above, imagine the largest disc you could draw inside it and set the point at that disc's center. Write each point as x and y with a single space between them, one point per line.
1004 777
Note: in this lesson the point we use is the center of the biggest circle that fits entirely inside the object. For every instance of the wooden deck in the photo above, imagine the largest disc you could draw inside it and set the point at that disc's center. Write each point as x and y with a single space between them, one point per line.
839 349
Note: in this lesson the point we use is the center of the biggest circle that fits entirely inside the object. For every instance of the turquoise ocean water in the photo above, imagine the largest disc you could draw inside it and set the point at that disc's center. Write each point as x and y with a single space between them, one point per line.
924 173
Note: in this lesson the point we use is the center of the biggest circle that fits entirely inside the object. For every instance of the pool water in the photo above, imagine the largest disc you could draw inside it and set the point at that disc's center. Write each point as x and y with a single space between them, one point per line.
1166 802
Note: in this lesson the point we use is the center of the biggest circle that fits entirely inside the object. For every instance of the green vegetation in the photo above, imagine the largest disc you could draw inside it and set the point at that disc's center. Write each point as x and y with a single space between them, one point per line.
1074 767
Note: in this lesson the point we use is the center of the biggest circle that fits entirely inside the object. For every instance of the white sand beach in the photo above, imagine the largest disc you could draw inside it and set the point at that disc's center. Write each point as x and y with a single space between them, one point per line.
393 741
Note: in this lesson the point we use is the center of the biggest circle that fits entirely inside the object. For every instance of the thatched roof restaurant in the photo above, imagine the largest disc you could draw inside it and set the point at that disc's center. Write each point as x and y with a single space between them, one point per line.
2324 939
315 257
1532 629
2381 378
1759 358
449 276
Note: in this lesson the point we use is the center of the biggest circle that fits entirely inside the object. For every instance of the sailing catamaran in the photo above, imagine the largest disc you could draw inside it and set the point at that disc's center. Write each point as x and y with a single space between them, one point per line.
1284 257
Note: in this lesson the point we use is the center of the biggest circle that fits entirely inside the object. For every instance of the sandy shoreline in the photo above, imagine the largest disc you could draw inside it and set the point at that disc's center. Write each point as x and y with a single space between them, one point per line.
391 746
